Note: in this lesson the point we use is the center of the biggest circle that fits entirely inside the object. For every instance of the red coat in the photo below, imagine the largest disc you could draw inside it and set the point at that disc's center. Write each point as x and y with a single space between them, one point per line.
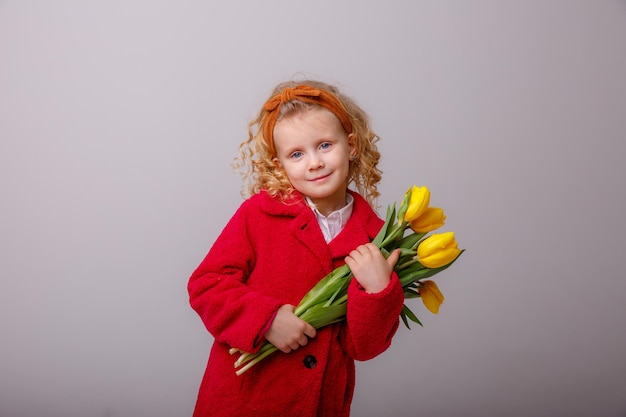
269 254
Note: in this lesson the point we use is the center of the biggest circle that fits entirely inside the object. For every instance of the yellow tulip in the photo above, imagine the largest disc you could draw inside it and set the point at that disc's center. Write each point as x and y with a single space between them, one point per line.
420 198
438 250
431 296
432 218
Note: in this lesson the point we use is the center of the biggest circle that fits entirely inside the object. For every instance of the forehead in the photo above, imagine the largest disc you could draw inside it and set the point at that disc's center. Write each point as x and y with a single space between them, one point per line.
315 117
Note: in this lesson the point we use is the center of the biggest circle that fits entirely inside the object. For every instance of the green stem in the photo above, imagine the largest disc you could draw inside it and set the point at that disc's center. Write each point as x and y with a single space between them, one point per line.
258 358
406 264
319 293
395 232
246 356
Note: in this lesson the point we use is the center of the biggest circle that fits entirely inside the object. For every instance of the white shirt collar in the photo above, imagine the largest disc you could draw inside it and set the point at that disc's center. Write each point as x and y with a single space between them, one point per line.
332 224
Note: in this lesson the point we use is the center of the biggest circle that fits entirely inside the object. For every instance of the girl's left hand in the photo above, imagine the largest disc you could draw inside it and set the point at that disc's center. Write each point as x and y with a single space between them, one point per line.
370 268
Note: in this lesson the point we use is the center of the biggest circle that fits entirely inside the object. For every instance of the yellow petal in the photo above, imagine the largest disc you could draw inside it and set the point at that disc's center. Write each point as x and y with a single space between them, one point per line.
440 258
431 218
437 241
438 250
431 296
420 198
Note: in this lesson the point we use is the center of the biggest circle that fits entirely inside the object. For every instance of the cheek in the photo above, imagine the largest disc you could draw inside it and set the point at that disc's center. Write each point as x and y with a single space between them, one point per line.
343 161
289 170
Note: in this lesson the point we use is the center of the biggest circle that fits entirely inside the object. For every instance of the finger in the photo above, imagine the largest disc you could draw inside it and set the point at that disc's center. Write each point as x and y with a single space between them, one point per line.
350 260
363 249
371 247
392 259
310 331
303 340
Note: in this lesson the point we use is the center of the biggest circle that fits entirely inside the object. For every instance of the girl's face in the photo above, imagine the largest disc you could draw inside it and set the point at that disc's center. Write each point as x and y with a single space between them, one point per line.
314 150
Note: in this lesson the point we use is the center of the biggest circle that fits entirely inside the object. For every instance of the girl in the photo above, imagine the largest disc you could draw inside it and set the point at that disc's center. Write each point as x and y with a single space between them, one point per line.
306 146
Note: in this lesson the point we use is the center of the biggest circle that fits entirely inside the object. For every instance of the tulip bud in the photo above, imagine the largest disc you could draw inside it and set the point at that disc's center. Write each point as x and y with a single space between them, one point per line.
420 198
431 296
438 250
432 218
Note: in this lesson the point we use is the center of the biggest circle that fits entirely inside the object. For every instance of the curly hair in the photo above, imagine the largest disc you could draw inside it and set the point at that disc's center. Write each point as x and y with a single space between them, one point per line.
257 163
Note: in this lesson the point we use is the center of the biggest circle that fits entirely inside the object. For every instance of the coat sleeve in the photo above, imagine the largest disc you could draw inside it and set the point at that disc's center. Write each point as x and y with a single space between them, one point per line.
232 312
372 319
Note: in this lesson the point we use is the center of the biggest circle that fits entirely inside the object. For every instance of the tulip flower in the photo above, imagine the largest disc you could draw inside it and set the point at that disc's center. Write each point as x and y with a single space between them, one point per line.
420 198
431 296
438 250
432 218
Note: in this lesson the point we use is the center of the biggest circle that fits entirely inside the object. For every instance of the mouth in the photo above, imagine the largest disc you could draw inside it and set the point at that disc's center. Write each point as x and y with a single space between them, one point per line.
320 178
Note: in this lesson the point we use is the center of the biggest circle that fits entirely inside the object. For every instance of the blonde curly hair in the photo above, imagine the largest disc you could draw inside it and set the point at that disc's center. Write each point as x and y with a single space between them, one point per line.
257 163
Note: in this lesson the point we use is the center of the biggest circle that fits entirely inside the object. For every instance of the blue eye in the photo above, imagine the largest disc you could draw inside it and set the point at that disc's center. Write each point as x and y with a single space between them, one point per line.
296 155
325 145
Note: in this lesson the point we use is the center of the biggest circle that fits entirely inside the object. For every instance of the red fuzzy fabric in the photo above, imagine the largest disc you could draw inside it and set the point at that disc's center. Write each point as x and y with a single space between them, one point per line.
271 253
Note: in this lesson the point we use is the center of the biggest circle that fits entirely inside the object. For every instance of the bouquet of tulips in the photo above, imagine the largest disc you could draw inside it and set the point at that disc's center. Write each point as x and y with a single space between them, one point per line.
421 256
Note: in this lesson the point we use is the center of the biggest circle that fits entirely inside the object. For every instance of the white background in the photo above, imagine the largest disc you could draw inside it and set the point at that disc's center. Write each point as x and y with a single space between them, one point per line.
118 124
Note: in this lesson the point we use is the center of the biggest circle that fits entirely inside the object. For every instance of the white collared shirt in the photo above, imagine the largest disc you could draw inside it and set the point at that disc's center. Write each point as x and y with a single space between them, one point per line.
332 224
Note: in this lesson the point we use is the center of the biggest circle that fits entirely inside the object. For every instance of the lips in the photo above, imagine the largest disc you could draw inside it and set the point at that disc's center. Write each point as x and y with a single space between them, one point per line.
320 178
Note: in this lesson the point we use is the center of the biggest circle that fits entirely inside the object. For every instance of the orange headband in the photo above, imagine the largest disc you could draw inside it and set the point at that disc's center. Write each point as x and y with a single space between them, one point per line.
307 94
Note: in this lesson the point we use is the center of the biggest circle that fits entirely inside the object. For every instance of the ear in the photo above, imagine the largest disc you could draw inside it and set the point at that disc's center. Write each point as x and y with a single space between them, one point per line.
353 145
277 162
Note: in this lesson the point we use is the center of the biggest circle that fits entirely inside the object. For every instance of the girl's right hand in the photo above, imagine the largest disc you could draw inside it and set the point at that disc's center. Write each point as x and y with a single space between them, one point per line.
288 332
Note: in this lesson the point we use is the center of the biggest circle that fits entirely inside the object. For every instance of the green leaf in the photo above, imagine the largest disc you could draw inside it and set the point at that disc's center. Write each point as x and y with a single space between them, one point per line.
322 316
410 293
409 269
404 252
340 292
325 288
389 222
411 315
419 274
404 205
410 240
404 320
415 275
407 265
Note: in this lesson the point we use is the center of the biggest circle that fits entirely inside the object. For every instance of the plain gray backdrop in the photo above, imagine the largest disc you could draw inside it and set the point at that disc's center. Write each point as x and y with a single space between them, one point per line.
118 124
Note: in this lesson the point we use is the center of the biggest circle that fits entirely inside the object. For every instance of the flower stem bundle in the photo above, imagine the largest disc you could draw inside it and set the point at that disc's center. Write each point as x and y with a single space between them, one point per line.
421 256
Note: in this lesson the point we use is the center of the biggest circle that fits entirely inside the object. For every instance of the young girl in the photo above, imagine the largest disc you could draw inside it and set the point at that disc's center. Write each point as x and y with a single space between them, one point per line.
306 146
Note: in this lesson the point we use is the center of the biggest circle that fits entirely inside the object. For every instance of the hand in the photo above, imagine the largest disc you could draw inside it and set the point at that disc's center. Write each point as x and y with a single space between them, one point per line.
288 332
370 268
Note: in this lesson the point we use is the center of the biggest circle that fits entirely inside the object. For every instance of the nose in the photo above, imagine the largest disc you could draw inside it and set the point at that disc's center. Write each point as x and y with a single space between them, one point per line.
316 162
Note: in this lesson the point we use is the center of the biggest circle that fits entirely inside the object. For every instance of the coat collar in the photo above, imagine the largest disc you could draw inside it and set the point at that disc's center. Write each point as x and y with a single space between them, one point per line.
291 207
362 226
